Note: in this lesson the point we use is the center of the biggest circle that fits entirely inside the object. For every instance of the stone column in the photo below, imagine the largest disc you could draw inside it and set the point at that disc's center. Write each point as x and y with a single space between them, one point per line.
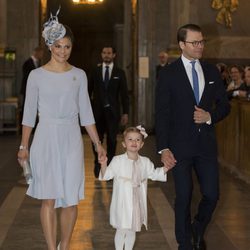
118 28
3 24
142 44
179 15
153 27
128 52
23 31
152 36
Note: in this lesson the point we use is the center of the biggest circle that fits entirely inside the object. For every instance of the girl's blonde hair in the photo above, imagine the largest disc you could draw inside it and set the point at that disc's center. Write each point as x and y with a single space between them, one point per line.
132 129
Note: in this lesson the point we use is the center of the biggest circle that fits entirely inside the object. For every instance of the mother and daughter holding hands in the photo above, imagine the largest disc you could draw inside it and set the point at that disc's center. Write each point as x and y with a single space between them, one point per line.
57 92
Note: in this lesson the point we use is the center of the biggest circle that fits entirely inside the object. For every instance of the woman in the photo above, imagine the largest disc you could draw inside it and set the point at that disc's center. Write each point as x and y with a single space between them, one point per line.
58 92
237 87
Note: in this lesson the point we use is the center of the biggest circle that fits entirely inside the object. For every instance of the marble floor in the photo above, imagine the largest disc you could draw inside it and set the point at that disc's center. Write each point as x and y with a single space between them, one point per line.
19 215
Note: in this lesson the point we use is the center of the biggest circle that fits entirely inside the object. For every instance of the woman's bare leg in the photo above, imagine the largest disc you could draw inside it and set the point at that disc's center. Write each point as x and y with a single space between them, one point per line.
49 222
68 219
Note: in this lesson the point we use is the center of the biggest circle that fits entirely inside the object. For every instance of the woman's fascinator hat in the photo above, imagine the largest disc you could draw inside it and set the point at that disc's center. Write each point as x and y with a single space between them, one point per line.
53 30
142 131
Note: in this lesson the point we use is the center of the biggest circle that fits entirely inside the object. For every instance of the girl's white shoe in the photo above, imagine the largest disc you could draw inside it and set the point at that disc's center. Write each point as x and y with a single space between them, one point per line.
58 247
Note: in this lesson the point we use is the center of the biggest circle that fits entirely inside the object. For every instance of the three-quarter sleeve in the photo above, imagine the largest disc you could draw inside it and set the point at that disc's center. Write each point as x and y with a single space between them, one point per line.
85 109
31 101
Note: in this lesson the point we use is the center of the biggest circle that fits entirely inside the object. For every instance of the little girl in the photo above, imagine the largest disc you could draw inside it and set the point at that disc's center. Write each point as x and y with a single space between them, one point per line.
130 171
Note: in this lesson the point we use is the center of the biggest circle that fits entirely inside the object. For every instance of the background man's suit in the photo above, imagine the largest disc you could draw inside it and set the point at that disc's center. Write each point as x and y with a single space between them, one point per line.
108 118
28 66
193 145
158 68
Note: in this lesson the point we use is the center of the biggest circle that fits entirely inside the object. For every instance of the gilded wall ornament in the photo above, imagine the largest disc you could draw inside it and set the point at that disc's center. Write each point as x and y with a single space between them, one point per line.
225 8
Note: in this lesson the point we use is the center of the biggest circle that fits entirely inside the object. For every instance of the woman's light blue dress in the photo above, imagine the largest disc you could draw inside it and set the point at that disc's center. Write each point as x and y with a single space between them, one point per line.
56 155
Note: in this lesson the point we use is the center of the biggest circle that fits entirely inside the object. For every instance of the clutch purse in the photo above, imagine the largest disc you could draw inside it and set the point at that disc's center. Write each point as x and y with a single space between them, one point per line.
27 172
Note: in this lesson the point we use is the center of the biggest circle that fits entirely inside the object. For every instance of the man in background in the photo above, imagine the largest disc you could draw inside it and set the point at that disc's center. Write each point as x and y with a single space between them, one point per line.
110 101
31 63
163 62
247 81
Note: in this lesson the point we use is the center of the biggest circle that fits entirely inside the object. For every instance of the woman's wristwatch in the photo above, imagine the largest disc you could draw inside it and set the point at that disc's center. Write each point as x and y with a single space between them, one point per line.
96 145
22 147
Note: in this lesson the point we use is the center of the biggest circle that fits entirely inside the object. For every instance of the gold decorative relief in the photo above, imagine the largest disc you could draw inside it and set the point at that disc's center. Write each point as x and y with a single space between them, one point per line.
225 8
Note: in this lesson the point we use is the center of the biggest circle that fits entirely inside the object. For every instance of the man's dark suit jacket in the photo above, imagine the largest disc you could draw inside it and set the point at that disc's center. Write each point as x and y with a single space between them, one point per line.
175 101
27 67
117 92
159 68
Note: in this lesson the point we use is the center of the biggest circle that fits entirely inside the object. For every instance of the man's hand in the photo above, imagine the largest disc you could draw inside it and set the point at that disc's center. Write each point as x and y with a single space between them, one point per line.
103 161
201 116
167 158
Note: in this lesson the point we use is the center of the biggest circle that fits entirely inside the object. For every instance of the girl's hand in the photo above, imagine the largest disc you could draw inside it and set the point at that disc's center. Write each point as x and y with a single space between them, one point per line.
166 169
103 161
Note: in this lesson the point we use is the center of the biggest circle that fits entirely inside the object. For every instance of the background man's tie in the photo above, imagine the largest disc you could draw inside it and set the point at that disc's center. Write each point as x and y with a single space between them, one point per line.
106 76
195 82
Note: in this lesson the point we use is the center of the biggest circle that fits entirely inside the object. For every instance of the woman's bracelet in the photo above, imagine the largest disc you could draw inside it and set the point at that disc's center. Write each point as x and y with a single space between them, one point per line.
96 144
22 147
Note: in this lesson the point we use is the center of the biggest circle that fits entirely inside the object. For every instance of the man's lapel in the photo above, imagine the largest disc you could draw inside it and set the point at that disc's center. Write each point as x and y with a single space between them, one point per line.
100 75
112 74
205 73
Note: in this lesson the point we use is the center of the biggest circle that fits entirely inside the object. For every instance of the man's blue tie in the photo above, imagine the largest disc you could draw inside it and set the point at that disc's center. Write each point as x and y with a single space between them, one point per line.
106 76
195 82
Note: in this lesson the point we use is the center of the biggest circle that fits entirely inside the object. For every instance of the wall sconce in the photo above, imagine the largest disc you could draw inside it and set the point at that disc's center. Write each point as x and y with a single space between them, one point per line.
87 1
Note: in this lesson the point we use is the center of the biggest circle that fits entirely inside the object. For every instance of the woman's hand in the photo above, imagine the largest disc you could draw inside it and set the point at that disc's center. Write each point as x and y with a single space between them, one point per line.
22 155
101 152
102 158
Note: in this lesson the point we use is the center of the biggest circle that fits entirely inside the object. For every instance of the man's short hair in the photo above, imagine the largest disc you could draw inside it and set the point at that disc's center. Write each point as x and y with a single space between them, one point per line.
110 46
182 31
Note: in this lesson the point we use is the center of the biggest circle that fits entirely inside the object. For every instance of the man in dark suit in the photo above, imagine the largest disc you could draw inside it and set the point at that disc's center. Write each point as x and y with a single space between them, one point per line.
163 62
31 63
190 99
108 92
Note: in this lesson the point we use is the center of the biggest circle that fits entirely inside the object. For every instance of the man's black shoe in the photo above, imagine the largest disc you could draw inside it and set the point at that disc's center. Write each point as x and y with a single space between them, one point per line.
201 245
198 241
